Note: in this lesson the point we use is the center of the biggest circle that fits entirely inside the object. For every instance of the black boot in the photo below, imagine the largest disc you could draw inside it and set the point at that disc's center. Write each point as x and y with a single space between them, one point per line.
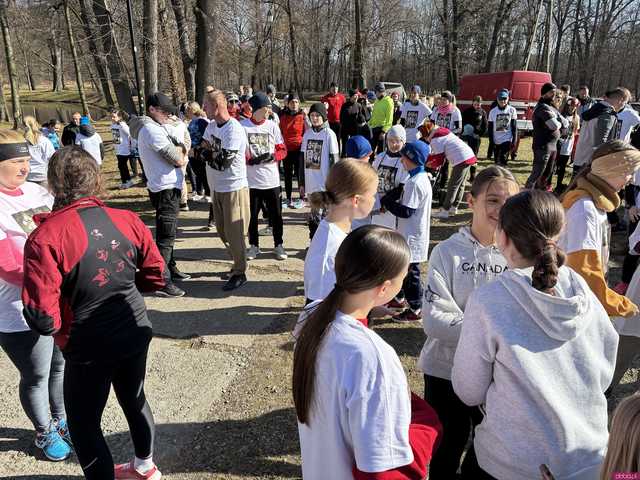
211 222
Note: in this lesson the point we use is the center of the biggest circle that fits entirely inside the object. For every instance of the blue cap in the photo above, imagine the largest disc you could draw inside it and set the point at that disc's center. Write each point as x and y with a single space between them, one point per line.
84 120
417 152
416 89
358 147
502 94
371 95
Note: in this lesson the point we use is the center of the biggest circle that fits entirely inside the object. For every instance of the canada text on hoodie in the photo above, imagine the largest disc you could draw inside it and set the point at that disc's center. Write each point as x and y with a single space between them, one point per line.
457 266
540 364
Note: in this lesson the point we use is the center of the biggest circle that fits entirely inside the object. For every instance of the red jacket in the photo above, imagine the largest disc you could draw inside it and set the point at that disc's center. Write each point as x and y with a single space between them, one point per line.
293 126
84 268
335 103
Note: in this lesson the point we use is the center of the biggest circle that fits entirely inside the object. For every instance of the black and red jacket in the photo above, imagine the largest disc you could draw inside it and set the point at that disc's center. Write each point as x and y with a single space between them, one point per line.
84 268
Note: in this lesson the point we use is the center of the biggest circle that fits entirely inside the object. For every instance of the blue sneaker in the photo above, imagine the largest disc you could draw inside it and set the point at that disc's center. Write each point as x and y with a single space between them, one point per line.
52 445
63 430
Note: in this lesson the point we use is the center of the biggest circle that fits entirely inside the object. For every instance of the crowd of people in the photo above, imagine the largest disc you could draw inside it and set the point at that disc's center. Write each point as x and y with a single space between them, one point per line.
525 340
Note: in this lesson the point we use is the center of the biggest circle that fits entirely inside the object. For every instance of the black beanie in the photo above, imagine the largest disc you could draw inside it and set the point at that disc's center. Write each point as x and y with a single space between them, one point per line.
320 109
546 88
258 101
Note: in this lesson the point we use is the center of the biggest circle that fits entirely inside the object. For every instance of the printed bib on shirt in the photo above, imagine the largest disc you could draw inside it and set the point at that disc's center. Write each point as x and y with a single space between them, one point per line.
313 156
117 138
503 121
412 119
443 120
386 178
24 218
259 143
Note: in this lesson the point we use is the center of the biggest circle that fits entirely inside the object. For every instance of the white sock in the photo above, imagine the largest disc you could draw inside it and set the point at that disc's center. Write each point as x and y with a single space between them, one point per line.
143 465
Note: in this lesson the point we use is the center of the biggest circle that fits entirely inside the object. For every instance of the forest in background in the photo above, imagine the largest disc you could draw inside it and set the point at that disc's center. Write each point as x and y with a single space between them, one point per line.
303 45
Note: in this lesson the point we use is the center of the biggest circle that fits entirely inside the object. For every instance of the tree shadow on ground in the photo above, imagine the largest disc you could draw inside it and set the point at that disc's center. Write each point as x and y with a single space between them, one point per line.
241 320
240 447
404 340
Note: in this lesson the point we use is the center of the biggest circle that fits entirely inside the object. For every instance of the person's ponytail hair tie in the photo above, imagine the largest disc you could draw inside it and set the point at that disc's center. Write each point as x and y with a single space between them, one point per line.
531 220
547 266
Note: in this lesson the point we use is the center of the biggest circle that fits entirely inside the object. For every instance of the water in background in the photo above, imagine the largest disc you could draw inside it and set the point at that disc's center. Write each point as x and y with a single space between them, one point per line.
45 111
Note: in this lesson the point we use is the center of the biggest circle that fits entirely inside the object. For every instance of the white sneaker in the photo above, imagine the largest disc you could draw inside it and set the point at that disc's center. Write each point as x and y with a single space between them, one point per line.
280 253
123 186
453 211
205 199
195 197
253 252
441 214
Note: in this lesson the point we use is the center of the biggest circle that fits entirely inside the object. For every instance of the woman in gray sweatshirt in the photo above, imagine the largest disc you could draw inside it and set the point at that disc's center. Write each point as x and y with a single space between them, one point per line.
537 350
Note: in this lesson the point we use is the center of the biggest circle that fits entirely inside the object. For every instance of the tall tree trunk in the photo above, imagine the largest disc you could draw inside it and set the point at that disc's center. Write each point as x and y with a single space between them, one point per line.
4 114
74 55
357 78
90 31
120 83
168 55
150 45
206 34
11 68
56 51
532 37
188 64
546 50
503 12
292 41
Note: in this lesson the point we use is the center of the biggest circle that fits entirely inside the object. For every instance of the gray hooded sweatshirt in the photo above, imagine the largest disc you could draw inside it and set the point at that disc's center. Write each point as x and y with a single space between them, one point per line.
457 267
539 364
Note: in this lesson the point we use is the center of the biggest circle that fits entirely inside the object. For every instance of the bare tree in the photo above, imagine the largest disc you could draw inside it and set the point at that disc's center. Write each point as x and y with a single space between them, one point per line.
206 34
188 64
11 67
74 55
150 45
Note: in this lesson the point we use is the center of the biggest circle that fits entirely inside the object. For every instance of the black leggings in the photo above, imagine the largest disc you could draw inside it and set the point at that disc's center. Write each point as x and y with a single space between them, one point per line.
291 166
199 181
123 166
86 390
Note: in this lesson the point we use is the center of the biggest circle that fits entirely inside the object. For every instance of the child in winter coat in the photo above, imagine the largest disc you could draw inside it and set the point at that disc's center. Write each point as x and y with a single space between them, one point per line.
458 266
391 174
412 206
349 194
537 349
320 150
356 416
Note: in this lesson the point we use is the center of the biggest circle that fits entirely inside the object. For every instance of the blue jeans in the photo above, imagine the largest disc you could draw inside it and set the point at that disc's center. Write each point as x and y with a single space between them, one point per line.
41 368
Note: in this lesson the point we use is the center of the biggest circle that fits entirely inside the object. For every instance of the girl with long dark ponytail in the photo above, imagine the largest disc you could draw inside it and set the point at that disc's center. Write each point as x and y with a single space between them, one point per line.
350 391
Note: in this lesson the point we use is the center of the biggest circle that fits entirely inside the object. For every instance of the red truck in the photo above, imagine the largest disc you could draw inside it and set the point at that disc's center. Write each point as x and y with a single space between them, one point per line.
524 88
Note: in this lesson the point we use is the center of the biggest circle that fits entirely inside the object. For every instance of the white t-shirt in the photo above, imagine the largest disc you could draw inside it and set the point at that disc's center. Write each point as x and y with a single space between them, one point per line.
262 139
16 223
160 174
627 119
319 264
415 229
502 123
91 145
457 151
231 136
449 119
587 228
391 174
121 138
361 409
40 153
316 148
413 116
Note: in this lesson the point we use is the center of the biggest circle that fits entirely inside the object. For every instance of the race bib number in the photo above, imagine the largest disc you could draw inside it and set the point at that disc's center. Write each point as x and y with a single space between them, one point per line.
412 119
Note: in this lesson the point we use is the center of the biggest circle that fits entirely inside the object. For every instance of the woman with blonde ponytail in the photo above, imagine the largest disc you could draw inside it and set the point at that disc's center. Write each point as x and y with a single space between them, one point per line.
623 452
537 350
40 148
349 194
356 416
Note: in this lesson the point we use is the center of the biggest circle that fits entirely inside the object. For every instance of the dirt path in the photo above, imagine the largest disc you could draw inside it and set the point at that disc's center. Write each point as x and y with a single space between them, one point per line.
219 366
